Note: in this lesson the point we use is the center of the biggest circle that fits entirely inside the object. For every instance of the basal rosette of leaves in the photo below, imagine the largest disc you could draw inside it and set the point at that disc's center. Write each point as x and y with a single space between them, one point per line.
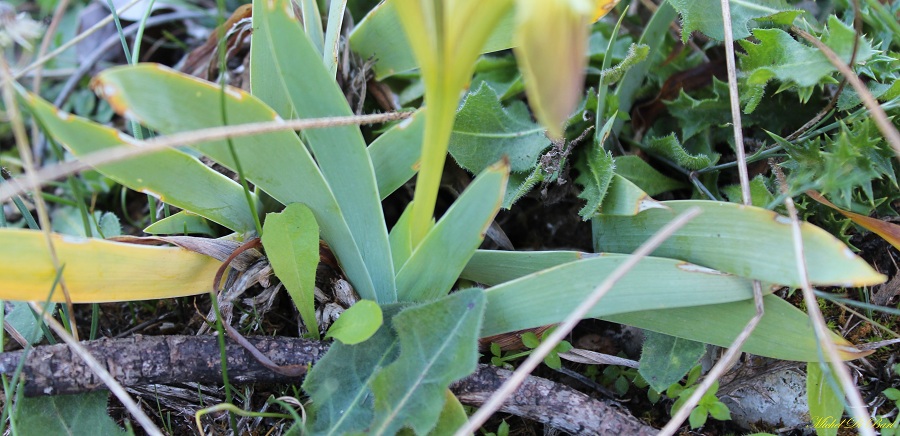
418 336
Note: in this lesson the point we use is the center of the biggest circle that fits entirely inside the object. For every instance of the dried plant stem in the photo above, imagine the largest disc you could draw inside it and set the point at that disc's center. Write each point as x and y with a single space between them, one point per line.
891 135
857 407
734 350
18 128
104 375
139 148
537 356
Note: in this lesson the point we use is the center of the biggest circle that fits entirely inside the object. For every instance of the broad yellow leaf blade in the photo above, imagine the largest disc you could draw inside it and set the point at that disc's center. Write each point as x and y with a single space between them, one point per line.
98 271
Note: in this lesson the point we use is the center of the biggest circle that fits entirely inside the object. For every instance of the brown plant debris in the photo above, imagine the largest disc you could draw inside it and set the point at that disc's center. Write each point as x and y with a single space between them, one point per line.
144 360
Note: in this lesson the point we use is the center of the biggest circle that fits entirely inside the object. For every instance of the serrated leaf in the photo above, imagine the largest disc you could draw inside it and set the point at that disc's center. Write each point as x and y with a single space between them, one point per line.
596 173
696 115
65 414
357 324
824 402
286 65
666 359
438 344
759 192
291 240
434 265
485 131
339 383
647 178
780 56
744 240
706 16
636 54
670 148
98 270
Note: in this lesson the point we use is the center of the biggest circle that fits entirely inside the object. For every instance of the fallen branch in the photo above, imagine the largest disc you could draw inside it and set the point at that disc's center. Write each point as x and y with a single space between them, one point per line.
143 360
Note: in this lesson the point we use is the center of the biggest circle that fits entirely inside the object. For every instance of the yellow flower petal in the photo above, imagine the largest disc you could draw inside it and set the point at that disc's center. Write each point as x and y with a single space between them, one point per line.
551 48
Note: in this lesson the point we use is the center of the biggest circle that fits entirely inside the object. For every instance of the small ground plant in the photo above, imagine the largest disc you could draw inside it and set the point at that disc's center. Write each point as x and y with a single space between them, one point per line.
278 185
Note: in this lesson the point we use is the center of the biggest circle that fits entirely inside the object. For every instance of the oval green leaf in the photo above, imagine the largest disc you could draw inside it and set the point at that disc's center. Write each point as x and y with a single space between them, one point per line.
357 324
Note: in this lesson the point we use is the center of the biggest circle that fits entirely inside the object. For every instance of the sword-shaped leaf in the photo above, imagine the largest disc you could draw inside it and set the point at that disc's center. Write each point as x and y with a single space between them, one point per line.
785 332
435 264
276 162
744 240
285 62
396 153
548 296
170 175
97 270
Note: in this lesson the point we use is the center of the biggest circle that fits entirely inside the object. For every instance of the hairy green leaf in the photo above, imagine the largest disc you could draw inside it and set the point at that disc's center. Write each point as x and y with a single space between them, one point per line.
670 148
780 56
65 414
438 345
596 173
340 382
636 54
485 131
666 359
291 240
706 16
